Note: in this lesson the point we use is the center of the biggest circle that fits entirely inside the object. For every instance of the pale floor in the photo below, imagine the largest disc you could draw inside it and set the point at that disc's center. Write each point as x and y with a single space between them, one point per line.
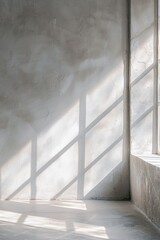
69 220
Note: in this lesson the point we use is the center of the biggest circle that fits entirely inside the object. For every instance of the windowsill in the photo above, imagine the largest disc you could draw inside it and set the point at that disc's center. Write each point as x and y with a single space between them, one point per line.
153 159
145 182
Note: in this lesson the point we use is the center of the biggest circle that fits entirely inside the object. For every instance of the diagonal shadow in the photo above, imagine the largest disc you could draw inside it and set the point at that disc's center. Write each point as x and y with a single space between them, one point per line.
60 153
33 167
142 116
102 154
83 131
142 75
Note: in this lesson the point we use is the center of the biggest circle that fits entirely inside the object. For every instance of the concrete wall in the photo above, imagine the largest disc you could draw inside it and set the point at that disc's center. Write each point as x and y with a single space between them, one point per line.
142 75
144 166
159 77
145 182
62 89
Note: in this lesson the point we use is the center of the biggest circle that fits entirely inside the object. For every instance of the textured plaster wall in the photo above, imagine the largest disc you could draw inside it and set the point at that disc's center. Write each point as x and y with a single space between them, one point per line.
144 166
145 182
142 75
62 109
159 77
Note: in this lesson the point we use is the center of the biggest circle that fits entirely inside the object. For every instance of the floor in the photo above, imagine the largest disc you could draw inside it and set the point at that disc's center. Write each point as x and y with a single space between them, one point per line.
73 220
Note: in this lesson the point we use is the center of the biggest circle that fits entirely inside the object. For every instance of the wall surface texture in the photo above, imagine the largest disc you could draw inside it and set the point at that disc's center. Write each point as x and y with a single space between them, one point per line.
145 182
62 91
159 76
142 75
145 166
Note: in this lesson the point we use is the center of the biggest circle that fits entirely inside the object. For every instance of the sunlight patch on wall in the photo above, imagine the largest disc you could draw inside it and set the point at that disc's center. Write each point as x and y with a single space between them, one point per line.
159 127
159 77
142 34
55 177
142 135
68 192
141 53
142 105
13 174
142 75
142 96
103 167
53 140
105 94
104 134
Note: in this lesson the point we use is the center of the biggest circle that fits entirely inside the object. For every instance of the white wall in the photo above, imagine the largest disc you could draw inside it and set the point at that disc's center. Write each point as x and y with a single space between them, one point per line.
142 75
62 76
158 76
144 169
